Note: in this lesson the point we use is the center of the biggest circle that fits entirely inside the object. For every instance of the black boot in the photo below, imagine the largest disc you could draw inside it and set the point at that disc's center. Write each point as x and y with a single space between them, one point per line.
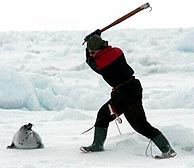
164 146
98 143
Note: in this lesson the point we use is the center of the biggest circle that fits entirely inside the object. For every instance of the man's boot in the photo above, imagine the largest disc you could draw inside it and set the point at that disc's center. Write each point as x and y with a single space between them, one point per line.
98 143
162 143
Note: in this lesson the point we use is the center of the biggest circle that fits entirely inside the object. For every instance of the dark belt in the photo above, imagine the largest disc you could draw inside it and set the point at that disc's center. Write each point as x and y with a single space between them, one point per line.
122 84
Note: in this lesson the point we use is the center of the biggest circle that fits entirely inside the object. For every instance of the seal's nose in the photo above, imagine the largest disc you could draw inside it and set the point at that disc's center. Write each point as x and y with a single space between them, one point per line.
29 126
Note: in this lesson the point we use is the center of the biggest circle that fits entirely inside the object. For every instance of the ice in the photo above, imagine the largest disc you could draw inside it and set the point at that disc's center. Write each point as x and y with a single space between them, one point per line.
44 80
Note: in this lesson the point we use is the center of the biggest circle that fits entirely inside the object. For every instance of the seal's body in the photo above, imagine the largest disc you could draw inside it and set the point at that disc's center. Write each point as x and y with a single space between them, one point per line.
26 138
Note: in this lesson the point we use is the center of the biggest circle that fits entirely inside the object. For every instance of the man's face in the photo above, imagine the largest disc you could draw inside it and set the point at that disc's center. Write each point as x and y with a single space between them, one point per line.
93 52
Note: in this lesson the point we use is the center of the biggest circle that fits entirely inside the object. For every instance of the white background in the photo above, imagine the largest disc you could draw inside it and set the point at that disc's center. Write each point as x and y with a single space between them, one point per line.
55 15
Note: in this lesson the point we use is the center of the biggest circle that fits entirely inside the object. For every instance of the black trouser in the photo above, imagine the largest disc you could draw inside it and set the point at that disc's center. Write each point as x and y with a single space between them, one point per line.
127 100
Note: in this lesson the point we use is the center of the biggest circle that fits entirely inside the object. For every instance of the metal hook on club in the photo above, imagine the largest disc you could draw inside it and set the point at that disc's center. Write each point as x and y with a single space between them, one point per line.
150 8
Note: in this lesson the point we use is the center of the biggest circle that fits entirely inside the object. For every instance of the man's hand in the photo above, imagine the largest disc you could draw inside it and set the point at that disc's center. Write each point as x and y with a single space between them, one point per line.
97 32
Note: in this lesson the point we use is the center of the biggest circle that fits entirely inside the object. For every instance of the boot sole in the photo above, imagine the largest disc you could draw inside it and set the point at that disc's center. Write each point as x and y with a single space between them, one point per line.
83 150
170 156
89 151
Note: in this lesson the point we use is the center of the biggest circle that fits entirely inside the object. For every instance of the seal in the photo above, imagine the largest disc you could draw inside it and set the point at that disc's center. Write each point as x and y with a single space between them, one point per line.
26 138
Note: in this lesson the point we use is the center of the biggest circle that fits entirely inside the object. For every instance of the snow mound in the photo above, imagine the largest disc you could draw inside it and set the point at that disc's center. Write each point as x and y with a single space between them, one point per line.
16 91
48 71
179 137
186 42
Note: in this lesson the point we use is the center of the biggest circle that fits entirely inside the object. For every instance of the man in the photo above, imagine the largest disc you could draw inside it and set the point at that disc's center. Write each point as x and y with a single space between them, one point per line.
126 96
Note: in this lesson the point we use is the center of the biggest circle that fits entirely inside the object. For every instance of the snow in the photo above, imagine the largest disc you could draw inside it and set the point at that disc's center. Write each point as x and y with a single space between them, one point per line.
44 80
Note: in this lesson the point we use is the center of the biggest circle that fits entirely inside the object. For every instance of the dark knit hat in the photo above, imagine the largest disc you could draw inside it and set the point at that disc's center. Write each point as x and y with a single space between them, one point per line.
96 43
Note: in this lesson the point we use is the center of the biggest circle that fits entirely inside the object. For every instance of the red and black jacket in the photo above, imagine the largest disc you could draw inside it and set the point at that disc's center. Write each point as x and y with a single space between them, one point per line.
111 64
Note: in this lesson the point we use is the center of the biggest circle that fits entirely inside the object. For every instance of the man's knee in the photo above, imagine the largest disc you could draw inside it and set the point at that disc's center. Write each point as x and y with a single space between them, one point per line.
145 129
103 117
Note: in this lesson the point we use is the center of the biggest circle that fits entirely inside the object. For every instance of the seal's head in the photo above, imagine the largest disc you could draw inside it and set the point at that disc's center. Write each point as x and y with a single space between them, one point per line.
27 127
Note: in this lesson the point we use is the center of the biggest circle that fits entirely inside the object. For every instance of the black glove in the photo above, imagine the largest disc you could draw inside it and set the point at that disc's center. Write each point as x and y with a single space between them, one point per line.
97 32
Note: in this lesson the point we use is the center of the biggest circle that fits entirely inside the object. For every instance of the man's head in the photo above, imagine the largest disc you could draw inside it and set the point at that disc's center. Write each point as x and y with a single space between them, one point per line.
96 43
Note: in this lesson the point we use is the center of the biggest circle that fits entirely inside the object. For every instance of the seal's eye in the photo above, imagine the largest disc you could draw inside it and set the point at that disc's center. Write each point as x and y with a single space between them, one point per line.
25 126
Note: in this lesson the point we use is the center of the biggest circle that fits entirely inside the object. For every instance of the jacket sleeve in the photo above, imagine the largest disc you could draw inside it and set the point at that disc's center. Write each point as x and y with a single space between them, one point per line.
91 62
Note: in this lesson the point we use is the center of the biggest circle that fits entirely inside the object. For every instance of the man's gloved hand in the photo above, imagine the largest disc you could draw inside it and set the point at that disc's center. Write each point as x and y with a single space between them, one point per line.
98 32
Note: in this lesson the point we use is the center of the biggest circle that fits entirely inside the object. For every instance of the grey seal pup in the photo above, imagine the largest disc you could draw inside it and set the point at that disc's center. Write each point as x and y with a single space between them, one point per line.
26 138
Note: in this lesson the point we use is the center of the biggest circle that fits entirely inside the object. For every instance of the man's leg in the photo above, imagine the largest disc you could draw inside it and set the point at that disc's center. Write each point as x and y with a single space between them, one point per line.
100 132
135 115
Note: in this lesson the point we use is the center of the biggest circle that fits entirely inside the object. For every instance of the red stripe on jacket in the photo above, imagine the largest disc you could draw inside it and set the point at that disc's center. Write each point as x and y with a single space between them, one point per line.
106 56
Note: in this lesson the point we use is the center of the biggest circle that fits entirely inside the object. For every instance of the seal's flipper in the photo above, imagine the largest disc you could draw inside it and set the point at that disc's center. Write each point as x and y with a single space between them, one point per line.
40 145
12 146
